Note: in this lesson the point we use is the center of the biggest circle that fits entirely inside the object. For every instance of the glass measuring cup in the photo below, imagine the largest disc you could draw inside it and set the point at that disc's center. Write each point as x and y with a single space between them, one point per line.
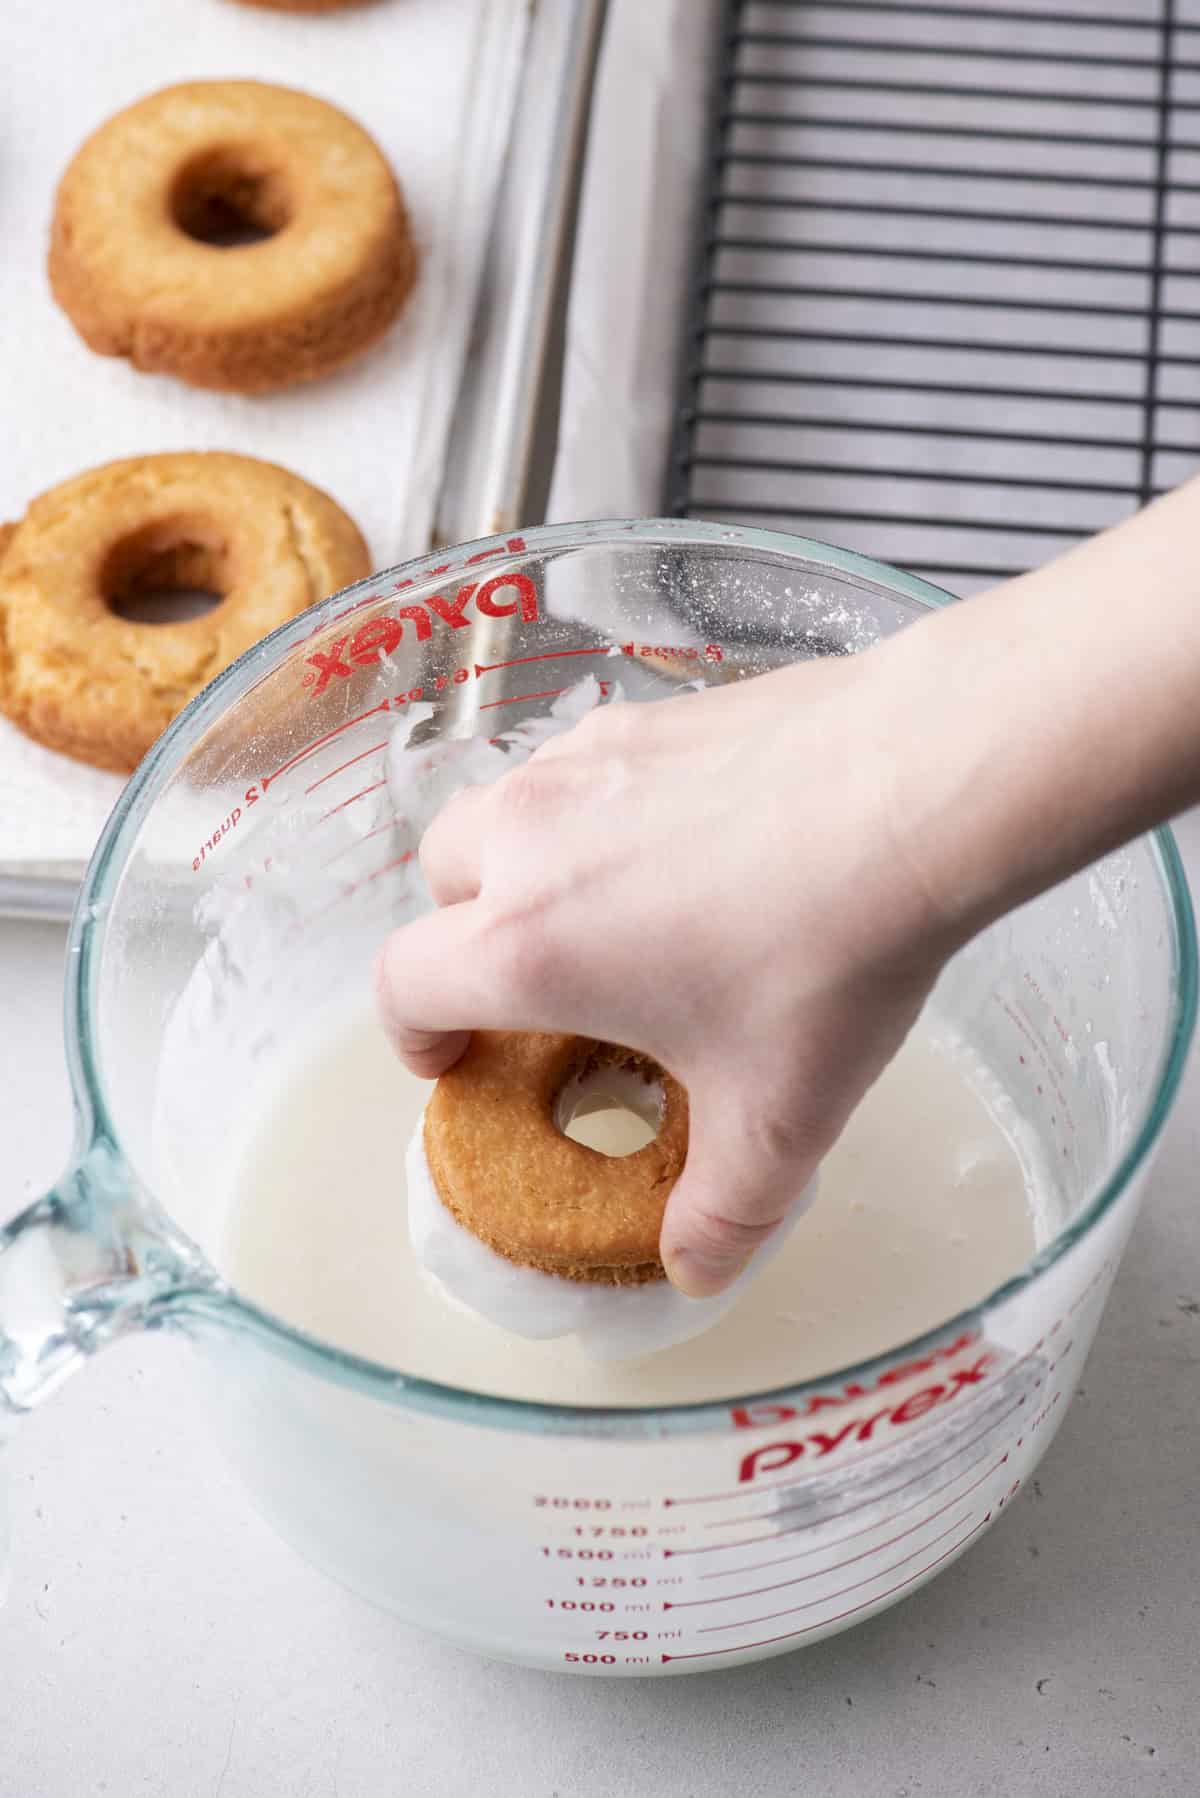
236 899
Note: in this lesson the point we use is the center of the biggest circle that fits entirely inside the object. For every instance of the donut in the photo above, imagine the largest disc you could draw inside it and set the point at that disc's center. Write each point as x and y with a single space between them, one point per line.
82 679
504 1170
141 257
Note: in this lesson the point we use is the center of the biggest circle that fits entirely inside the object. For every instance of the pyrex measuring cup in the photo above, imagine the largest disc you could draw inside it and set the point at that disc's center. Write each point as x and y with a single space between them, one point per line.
237 897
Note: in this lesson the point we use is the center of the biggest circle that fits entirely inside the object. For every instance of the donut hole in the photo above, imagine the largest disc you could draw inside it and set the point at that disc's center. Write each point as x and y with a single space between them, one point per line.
166 573
229 199
612 1106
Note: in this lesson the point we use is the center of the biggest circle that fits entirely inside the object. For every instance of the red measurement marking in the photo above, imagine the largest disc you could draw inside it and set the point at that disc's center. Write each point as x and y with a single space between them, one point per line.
708 1498
302 755
922 1473
348 891
549 655
341 806
863 1554
342 766
749 1417
397 861
883 1448
517 698
389 824
716 1629
866 1604
804 1554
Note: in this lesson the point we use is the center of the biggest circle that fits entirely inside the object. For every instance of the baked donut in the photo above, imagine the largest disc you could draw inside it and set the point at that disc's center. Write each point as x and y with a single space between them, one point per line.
504 1170
143 253
84 680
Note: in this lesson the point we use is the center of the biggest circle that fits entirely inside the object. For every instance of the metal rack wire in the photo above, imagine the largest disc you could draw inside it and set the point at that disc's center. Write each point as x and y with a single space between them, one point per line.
947 294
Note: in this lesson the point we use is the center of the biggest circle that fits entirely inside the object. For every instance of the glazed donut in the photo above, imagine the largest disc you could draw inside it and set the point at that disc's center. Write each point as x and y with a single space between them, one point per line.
137 260
504 1170
82 679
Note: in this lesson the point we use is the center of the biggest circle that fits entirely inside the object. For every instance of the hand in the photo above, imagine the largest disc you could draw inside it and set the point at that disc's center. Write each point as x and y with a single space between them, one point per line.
758 885
712 880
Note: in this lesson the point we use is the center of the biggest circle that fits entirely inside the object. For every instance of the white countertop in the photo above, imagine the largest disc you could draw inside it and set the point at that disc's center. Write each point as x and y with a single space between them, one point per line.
159 1640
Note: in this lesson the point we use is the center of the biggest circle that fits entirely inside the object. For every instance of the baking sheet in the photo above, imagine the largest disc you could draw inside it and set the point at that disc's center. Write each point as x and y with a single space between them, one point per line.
433 82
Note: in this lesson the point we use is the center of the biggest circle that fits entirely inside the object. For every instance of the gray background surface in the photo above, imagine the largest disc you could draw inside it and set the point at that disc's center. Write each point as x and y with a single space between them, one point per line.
158 1639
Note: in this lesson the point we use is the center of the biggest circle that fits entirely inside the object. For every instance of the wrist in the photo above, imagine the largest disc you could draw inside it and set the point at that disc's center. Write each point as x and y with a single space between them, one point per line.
1038 726
958 797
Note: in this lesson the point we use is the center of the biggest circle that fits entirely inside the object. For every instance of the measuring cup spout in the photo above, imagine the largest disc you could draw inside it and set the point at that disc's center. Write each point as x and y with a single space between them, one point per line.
78 1268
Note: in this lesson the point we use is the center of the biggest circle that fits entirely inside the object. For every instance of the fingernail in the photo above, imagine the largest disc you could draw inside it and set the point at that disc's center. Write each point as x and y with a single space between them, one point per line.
700 1276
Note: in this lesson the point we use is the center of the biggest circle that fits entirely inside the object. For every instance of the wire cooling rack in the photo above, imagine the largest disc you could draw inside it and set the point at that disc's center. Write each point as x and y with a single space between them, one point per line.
947 291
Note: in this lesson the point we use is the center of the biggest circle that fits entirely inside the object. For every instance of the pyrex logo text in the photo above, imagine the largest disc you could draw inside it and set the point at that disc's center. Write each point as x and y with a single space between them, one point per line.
504 596
775 1456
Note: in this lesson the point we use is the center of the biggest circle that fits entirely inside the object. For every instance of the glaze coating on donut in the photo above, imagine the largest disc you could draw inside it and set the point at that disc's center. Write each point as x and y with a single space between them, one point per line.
141 257
82 679
505 1171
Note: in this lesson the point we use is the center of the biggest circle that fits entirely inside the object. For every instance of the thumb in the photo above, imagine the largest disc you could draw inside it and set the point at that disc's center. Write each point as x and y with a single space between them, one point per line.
736 1189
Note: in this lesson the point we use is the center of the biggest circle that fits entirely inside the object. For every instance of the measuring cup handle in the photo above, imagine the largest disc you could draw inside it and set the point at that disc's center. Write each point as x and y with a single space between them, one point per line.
75 1273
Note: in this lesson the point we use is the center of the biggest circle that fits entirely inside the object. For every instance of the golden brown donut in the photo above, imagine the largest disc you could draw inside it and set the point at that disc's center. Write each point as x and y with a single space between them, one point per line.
131 267
82 679
505 1171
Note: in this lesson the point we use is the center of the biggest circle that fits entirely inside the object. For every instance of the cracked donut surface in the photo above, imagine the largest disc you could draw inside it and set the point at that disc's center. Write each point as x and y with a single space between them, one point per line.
504 1170
82 679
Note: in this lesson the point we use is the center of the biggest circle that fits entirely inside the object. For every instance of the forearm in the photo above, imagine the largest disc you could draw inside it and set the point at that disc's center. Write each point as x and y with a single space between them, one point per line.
1037 726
